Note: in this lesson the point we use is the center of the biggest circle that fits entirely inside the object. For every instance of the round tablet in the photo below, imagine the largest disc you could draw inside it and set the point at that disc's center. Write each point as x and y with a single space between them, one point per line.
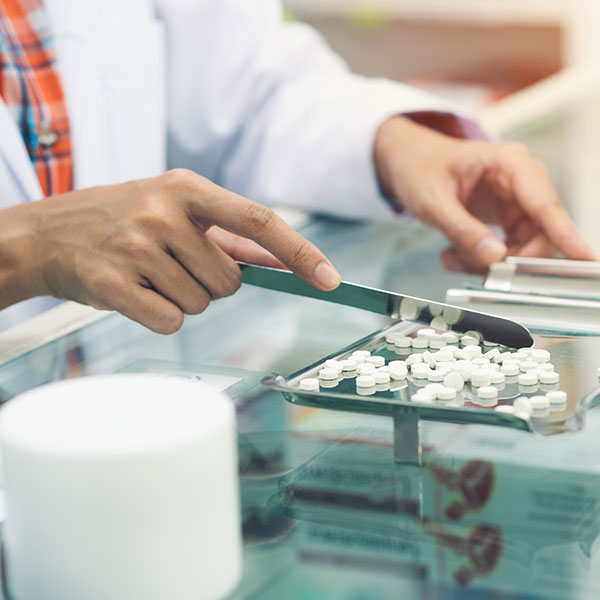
506 409
504 356
422 397
420 342
557 397
309 384
366 391
481 378
328 383
528 378
474 334
403 341
420 371
398 372
365 381
527 365
497 378
492 355
467 340
473 351
550 377
391 338
376 361
384 369
446 393
487 392
445 365
481 362
360 355
540 356
539 402
328 373
510 369
437 342
454 380
429 358
365 369
439 323
523 404
426 332
381 377
520 355
413 359
349 365
334 364
450 337
436 374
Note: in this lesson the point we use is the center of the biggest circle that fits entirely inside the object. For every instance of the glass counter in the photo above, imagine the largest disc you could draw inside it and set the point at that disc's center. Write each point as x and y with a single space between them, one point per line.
327 514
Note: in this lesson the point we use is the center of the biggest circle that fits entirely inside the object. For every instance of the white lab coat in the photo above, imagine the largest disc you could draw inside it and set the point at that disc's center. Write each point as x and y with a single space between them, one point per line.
223 87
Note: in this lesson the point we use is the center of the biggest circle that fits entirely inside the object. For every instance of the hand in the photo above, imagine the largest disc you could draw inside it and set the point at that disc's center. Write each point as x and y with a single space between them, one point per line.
152 249
460 186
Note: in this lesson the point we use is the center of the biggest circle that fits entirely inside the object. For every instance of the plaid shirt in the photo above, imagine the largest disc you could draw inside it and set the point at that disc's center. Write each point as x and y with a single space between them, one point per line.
31 89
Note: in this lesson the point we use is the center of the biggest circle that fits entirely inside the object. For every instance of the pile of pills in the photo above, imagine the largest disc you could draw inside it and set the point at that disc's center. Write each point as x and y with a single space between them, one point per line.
441 364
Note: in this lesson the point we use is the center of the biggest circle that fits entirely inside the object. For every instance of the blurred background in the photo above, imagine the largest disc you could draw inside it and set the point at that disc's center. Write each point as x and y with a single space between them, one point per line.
529 69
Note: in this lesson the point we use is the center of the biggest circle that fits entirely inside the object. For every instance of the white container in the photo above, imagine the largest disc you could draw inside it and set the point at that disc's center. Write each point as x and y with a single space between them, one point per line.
121 487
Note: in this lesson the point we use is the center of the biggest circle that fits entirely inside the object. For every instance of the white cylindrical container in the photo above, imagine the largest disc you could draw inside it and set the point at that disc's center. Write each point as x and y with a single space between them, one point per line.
121 487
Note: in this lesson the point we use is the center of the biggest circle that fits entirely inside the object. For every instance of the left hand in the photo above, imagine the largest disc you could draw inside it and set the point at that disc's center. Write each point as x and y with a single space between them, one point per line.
460 186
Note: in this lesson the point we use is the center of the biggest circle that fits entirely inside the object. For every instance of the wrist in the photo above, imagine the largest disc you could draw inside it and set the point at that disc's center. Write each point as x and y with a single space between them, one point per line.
20 268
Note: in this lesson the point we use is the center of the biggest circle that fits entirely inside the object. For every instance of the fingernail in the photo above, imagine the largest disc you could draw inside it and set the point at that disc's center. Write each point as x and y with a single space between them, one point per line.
326 276
490 249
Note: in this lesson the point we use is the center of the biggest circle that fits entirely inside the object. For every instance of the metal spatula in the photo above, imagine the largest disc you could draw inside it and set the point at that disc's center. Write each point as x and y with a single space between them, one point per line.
397 306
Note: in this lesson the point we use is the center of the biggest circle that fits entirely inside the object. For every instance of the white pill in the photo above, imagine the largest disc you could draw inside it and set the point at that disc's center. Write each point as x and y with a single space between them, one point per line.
523 404
489 344
527 365
385 368
439 323
481 362
365 381
525 350
557 397
522 415
366 391
349 365
549 377
420 371
309 384
328 373
428 358
545 367
493 367
455 381
391 338
443 355
413 359
360 355
403 341
473 351
436 374
467 340
474 334
540 405
541 356
497 378
334 364
504 356
446 393
382 377
487 392
437 343
481 378
446 365
528 379
328 383
376 361
506 409
420 342
422 398
450 337
512 361
510 369
462 354
426 332
365 369
492 355
520 355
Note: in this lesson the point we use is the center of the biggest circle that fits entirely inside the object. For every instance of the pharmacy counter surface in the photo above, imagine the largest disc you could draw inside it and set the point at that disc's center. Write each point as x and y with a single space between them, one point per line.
327 514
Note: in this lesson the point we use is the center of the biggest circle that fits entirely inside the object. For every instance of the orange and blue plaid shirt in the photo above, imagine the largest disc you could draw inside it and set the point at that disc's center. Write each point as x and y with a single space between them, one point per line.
32 91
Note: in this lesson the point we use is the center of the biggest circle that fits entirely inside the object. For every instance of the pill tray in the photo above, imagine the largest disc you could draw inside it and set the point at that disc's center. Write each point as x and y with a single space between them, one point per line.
396 401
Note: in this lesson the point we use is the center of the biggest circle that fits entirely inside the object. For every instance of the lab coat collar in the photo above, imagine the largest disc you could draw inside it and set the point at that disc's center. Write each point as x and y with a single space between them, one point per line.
14 153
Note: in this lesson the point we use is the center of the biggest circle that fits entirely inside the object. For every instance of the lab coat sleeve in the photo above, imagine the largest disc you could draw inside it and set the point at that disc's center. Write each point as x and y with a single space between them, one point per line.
266 109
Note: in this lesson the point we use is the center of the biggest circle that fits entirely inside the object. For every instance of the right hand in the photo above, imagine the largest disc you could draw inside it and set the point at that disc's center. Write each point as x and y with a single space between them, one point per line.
144 247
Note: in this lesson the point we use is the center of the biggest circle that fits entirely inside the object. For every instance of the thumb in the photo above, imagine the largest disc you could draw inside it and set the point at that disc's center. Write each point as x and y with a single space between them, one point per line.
476 245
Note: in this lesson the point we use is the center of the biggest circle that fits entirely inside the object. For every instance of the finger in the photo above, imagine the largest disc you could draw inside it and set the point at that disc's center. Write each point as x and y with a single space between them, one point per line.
257 222
537 246
452 261
540 201
148 308
477 245
243 249
173 281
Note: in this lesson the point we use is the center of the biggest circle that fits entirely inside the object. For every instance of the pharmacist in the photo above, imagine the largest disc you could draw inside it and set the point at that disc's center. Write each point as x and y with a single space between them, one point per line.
101 97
